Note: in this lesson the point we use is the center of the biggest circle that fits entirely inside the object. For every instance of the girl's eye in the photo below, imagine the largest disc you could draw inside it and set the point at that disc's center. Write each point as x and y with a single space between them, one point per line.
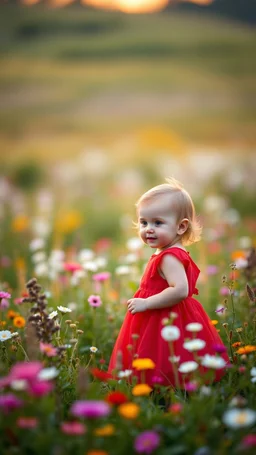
143 223
158 223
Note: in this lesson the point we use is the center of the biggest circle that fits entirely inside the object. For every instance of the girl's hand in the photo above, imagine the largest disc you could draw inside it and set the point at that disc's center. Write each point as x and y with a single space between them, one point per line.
137 305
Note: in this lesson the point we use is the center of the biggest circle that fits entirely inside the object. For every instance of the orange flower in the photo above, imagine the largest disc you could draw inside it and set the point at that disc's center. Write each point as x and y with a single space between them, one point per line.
246 349
214 321
2 323
20 223
237 255
12 314
129 410
19 321
143 364
107 430
236 344
141 390
96 452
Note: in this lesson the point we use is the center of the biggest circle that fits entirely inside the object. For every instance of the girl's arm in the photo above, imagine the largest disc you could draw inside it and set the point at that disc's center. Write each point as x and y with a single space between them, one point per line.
174 273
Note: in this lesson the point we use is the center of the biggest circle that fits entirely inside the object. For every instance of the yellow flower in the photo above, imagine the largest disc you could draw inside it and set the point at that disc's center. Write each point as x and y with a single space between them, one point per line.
214 321
68 222
246 349
129 410
143 364
20 223
19 321
141 390
107 430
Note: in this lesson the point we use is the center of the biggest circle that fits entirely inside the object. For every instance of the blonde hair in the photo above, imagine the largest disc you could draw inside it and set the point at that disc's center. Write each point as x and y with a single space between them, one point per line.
183 205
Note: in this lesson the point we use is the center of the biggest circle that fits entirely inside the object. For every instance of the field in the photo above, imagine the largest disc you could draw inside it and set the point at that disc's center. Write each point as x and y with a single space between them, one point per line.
96 108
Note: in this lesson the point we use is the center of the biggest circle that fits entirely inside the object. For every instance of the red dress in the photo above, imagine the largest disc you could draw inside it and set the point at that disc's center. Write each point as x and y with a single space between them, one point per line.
140 334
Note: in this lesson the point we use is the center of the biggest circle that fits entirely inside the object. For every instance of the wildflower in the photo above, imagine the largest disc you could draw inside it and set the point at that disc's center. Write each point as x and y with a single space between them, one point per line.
188 367
25 370
194 345
102 276
253 371
212 361
48 374
5 335
214 321
12 314
246 349
174 359
170 333
71 266
40 388
100 374
37 244
107 430
224 290
94 300
64 309
147 442
9 402
20 223
53 314
157 380
19 321
205 390
239 418
19 384
4 304
5 295
220 348
124 374
141 390
73 428
93 349
194 327
48 349
175 408
236 344
191 386
143 364
116 398
91 409
123 270
134 244
220 309
129 410
27 422
249 441
97 452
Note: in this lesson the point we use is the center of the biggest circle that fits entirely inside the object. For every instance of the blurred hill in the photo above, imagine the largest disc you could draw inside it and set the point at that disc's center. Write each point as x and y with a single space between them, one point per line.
240 10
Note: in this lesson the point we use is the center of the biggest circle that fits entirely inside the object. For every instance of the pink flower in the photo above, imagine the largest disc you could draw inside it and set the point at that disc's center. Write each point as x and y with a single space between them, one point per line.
72 266
25 370
27 422
224 290
249 441
4 295
242 369
40 388
90 408
10 402
147 442
4 304
157 380
211 270
102 276
220 348
18 300
94 300
48 349
175 408
191 386
73 428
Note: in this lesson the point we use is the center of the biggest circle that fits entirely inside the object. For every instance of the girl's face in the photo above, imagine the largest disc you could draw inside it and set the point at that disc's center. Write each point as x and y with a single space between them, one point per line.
158 224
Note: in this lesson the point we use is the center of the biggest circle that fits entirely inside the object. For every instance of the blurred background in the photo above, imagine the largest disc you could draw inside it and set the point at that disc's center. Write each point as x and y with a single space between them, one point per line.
102 99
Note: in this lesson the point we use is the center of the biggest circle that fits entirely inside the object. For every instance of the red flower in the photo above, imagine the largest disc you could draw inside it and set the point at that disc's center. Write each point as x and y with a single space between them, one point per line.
100 374
116 398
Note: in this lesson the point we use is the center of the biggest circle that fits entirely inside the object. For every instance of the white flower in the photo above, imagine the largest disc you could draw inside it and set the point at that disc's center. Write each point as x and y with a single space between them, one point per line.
212 361
134 244
64 309
170 333
205 390
90 265
48 373
15 334
174 359
253 380
41 269
93 349
241 263
37 244
5 335
194 327
85 255
239 418
101 262
187 367
53 314
19 384
72 306
194 345
39 256
253 371
173 315
131 258
123 270
124 373
245 242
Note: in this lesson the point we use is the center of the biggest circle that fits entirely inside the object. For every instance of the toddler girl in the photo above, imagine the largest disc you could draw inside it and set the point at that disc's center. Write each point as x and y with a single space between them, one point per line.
167 223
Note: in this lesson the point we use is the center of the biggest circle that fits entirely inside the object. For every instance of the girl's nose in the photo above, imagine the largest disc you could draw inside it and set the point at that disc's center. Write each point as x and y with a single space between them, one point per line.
150 228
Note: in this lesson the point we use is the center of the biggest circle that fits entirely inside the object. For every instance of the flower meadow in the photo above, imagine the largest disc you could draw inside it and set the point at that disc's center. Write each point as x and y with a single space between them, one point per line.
62 302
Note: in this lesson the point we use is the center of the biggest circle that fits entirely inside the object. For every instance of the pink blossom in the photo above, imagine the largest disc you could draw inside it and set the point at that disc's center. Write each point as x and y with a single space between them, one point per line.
4 295
5 261
220 348
73 428
4 304
224 290
48 349
94 300
191 386
10 402
102 276
72 266
90 408
175 408
147 442
25 370
40 388
18 300
211 270
27 422
157 380
249 441
242 369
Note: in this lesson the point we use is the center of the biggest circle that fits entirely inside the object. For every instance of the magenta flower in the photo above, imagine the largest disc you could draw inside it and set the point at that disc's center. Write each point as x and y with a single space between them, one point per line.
94 300
4 295
27 422
147 442
102 276
40 388
191 386
9 402
25 370
211 270
4 304
73 428
224 290
249 441
72 266
157 380
220 348
92 409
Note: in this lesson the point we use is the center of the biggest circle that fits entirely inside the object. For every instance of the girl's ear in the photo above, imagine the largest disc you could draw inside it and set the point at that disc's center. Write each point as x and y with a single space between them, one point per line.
182 227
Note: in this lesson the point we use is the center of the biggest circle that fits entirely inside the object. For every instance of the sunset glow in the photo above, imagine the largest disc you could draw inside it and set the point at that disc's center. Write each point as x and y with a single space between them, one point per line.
140 6
30 2
106 4
199 2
